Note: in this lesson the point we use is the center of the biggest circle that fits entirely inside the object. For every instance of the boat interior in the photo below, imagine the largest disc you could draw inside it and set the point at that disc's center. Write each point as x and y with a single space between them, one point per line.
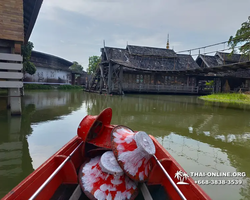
74 191
59 178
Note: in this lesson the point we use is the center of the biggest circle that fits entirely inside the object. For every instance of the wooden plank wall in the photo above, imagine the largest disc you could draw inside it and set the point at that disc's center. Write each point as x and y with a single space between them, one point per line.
10 73
11 20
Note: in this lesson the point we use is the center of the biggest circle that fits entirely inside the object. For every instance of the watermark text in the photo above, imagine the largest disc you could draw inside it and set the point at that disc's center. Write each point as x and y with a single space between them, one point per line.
217 174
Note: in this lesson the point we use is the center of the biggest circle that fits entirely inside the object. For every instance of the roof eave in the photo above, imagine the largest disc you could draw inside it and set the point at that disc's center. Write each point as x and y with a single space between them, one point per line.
33 17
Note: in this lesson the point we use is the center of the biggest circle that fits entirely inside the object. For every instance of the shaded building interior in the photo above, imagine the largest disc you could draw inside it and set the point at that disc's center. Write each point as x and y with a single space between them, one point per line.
235 79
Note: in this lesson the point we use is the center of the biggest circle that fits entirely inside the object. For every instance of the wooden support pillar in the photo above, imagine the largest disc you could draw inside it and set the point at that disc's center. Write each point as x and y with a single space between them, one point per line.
18 50
101 79
121 79
110 78
14 101
15 125
155 78
217 85
188 81
214 86
17 47
73 79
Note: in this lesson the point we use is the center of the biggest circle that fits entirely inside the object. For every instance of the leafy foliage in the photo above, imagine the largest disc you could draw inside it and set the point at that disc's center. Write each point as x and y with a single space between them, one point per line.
28 66
50 87
241 37
76 67
69 87
210 83
37 87
93 64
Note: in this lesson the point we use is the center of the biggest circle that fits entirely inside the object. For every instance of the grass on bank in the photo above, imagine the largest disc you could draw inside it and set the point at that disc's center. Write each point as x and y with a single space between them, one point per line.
228 98
69 87
50 87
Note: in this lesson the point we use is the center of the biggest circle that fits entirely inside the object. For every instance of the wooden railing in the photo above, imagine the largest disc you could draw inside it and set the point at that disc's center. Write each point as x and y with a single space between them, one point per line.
11 70
133 87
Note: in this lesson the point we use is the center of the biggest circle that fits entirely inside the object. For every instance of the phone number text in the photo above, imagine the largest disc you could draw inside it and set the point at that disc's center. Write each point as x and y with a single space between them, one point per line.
219 182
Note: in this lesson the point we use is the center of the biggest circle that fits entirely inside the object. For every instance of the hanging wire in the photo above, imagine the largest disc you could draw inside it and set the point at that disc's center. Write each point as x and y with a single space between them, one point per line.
203 47
214 51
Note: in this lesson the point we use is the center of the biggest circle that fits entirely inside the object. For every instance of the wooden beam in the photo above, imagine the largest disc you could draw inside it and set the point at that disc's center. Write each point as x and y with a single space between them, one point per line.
11 57
101 78
11 66
33 18
110 73
11 84
11 75
121 79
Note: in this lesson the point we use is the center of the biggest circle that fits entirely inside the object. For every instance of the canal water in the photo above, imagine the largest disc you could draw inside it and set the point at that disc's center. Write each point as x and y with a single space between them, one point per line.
201 136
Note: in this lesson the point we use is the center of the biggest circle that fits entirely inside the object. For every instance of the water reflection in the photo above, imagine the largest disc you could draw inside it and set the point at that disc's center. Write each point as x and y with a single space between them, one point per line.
15 147
15 160
201 136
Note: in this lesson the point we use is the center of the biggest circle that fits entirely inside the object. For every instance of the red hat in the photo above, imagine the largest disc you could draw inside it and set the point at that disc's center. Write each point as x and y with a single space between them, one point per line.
91 126
102 178
133 151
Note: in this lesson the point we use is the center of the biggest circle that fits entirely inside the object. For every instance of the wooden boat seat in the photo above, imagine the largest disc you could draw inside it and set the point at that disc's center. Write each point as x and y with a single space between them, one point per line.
145 192
77 193
74 192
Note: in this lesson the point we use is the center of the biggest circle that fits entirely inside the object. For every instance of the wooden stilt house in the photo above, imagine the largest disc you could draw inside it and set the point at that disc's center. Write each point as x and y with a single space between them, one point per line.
237 77
144 69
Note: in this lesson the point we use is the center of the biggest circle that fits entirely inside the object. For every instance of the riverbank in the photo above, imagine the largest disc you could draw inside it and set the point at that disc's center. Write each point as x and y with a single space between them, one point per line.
228 98
4 92
51 87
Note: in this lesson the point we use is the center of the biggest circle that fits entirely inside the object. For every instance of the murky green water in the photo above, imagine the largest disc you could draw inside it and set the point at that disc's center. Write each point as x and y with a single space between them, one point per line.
219 140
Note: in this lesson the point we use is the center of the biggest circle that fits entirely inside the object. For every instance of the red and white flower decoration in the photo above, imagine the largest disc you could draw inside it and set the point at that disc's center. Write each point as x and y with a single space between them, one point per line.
103 179
133 152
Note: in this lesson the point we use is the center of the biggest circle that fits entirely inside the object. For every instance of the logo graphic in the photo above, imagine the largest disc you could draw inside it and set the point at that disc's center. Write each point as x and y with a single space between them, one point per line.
181 176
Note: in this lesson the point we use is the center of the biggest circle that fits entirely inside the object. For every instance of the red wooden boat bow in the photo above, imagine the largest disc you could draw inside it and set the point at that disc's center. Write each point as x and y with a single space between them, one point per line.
54 173
108 162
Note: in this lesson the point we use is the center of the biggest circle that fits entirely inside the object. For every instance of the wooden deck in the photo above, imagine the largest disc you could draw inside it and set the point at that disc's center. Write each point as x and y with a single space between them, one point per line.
147 88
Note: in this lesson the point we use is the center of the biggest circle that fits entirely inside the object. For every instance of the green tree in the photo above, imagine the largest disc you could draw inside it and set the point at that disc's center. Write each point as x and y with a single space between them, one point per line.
28 66
93 64
241 37
76 67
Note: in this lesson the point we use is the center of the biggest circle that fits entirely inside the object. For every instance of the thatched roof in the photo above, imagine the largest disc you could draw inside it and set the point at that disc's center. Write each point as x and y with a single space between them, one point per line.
205 61
219 59
234 58
151 51
148 58
225 65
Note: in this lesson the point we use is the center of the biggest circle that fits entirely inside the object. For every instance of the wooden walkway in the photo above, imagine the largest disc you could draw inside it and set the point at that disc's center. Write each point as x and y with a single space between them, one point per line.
147 88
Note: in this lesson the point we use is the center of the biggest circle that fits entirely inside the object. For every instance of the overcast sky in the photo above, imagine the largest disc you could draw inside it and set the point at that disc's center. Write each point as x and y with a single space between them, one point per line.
75 29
